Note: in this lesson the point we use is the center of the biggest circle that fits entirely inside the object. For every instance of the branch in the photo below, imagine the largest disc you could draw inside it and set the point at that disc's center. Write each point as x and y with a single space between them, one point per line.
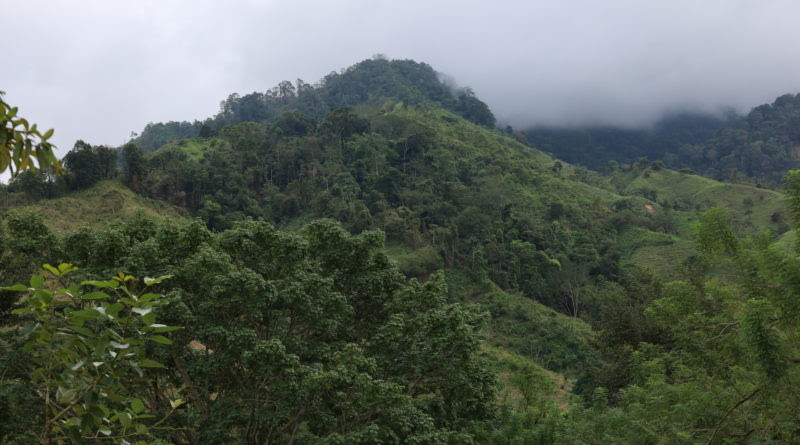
738 404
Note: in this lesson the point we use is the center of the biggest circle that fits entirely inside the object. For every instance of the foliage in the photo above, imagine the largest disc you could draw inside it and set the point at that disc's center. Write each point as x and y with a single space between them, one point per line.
377 81
308 337
606 148
427 178
87 356
579 295
87 164
23 143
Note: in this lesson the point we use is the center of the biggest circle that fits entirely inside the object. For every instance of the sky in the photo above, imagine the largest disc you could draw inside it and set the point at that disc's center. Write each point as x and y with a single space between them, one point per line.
99 70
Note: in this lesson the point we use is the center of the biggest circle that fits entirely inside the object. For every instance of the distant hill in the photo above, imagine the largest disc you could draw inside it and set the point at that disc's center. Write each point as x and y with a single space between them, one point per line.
452 194
373 81
597 146
758 147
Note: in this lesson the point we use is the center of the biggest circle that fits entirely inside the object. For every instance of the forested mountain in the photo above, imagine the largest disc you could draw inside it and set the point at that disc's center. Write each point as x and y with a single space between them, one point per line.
372 82
759 147
597 146
393 271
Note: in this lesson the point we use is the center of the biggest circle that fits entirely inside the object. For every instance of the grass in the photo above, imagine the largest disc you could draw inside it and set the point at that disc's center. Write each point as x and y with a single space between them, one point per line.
510 367
194 148
753 210
98 206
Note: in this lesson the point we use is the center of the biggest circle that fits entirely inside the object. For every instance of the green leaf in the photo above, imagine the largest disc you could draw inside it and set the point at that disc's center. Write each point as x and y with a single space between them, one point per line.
66 267
65 395
16 288
115 309
151 281
161 339
37 281
149 318
125 419
86 314
106 431
98 295
162 328
176 403
111 284
148 363
82 330
137 406
148 297
52 270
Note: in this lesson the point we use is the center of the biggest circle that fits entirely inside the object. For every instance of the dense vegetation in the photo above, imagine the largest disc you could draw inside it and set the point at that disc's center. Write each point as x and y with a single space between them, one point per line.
602 147
372 81
640 305
759 147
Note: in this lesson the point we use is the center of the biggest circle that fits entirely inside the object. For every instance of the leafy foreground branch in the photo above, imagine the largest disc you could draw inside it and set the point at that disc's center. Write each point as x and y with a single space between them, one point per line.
88 345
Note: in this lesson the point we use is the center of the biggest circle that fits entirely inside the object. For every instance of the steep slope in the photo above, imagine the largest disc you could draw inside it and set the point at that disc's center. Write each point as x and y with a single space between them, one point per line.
678 199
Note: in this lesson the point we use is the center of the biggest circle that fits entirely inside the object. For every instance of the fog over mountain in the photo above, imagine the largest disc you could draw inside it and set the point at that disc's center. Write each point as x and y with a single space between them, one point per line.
98 70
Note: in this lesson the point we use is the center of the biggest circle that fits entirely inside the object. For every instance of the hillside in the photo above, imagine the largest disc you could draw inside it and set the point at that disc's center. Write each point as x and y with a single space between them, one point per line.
678 199
101 205
300 236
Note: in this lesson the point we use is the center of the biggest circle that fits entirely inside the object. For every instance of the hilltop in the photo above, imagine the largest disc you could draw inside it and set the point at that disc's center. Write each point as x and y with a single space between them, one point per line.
372 82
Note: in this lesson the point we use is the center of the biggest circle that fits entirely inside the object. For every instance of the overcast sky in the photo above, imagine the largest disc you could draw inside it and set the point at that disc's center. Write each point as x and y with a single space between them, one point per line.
97 70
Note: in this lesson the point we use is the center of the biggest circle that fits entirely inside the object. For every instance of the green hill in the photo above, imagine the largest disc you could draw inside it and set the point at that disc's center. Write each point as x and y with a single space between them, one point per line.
759 147
373 81
575 307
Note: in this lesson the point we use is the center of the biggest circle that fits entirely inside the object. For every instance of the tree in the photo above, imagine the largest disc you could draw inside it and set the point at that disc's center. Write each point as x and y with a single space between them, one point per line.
23 143
310 337
134 166
342 123
84 167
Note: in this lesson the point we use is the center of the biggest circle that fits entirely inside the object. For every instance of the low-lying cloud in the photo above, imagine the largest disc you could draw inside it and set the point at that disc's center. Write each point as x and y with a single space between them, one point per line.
98 70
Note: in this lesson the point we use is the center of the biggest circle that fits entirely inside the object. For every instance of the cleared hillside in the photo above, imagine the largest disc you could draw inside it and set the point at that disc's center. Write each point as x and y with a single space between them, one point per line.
98 206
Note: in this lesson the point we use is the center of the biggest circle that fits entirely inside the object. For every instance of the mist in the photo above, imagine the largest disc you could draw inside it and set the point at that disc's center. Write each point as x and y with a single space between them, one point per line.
99 70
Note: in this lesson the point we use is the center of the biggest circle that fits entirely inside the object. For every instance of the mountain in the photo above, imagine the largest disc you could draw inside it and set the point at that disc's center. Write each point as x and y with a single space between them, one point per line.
373 82
637 304
759 147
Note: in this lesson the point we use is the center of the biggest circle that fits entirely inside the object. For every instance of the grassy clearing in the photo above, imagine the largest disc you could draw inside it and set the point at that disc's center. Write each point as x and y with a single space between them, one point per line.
685 197
753 209
195 148
98 206
518 375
